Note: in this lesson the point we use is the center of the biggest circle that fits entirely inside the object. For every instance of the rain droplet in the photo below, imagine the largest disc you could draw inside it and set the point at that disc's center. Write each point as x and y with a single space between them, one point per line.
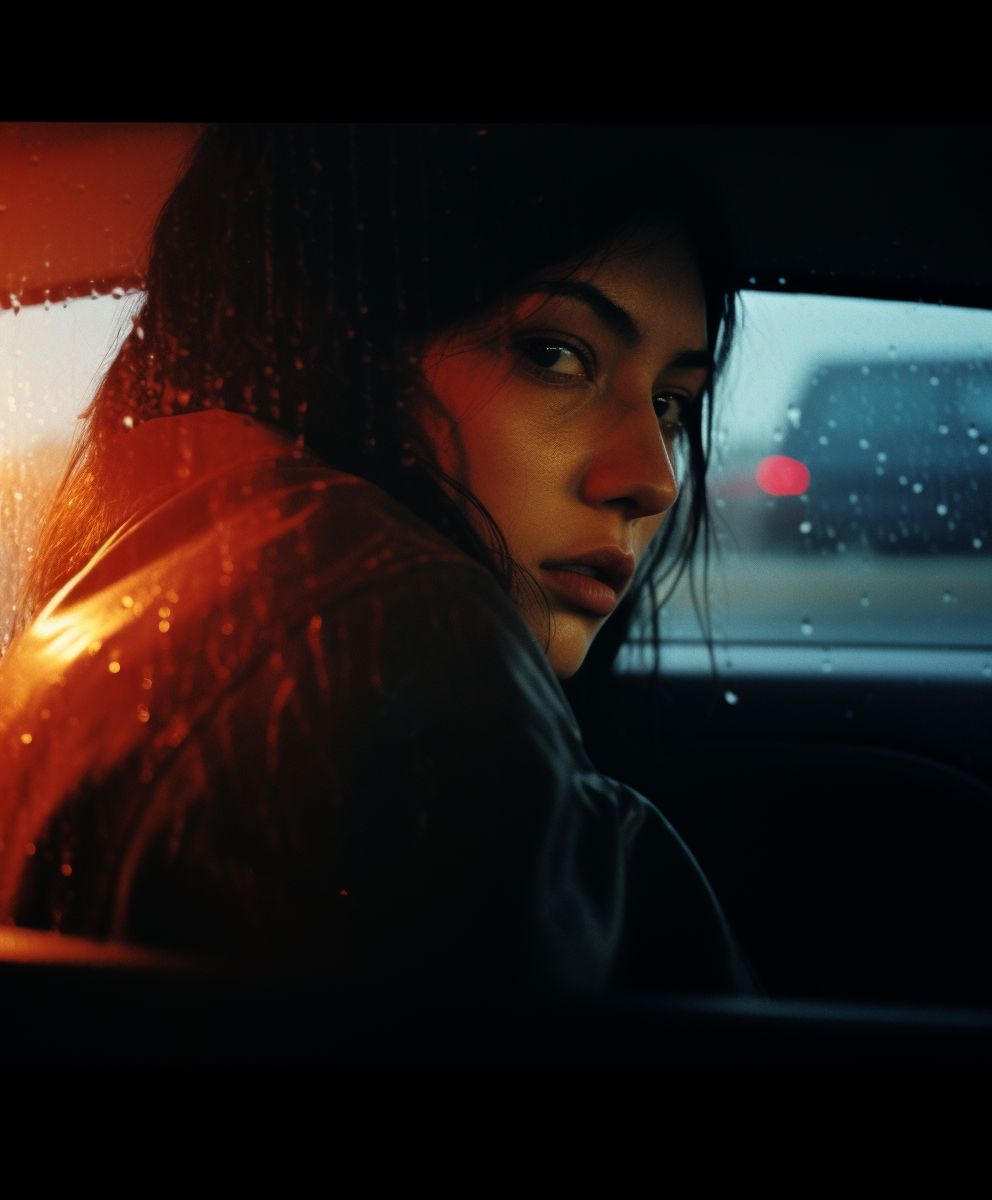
853 498
987 670
118 293
866 370
806 625
143 713
943 430
977 543
781 281
941 510
973 431
823 440
114 667
731 697
865 600
794 413
862 443
903 481
892 351
777 435
806 527
917 488
752 280
881 456
983 447
139 333
128 422
948 598
934 381
27 739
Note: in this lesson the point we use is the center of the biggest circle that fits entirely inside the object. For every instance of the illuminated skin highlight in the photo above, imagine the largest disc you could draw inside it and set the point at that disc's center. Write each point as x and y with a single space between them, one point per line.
561 416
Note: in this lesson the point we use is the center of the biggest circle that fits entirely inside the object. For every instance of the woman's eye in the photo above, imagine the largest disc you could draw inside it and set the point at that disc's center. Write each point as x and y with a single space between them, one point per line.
551 360
668 406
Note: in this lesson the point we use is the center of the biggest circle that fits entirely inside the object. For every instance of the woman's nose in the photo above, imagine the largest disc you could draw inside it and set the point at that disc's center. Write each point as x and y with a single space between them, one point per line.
633 467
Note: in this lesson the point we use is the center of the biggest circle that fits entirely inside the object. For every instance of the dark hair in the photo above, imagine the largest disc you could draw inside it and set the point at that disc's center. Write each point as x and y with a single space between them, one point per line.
296 269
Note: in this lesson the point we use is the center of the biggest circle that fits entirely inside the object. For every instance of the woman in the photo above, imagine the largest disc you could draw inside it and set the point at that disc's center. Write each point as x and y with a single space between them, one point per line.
401 420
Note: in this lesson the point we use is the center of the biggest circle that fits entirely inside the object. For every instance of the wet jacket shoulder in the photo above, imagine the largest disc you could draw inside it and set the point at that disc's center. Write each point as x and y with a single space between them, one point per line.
278 714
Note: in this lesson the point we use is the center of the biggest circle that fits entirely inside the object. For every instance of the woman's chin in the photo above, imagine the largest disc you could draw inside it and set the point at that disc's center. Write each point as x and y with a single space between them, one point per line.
571 637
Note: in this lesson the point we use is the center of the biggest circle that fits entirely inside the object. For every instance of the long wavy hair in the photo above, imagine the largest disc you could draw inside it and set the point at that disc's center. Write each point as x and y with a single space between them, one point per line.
297 271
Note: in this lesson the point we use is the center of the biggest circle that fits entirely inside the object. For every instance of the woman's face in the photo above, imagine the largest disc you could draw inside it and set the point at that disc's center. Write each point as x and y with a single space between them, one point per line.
562 416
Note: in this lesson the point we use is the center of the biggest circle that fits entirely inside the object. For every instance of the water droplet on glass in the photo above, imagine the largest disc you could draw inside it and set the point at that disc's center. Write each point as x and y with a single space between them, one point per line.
731 697
139 333
853 498
973 431
118 293
862 443
866 370
777 435
983 447
917 488
941 510
987 670
892 351
114 667
752 280
948 597
977 543
823 440
943 430
794 413
806 625
881 456
128 422
903 481
15 304
781 281
865 600
934 381
806 527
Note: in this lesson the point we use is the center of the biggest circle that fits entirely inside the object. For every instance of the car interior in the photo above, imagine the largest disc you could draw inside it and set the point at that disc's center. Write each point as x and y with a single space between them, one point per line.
817 729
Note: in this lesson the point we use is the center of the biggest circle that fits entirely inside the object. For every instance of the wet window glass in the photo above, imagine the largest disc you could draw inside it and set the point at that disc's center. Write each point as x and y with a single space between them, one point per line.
851 486
52 356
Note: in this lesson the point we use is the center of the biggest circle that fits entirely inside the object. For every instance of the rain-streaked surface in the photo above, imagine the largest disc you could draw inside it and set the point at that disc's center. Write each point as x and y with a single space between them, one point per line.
51 359
882 563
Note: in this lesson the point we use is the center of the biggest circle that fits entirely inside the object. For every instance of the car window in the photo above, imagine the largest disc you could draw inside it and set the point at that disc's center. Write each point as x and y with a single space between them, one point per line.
850 486
52 356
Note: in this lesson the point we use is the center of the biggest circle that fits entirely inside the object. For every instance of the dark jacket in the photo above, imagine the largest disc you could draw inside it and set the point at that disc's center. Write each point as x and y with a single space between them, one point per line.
279 715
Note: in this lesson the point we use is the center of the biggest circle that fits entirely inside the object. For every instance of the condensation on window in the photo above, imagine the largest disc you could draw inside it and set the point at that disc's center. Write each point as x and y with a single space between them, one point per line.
850 484
52 358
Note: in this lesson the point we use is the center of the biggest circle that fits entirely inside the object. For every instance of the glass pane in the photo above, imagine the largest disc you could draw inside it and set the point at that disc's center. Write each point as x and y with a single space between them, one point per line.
851 485
51 360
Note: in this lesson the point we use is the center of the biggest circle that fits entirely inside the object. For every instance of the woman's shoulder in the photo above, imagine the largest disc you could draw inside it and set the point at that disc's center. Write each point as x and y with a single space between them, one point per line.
255 550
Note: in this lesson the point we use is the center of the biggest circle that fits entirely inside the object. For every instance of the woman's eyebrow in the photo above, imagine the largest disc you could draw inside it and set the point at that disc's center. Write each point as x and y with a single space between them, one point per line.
617 319
612 315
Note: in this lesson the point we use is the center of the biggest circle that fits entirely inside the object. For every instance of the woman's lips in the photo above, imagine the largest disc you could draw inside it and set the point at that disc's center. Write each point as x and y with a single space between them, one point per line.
582 591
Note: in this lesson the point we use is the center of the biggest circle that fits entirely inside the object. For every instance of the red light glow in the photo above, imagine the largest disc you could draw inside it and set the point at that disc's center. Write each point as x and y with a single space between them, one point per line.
779 475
